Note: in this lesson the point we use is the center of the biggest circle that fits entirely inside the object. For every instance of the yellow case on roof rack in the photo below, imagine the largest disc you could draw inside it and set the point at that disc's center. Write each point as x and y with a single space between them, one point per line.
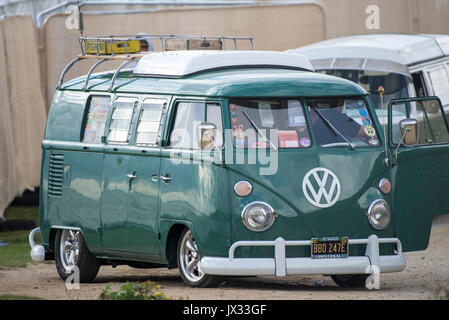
103 47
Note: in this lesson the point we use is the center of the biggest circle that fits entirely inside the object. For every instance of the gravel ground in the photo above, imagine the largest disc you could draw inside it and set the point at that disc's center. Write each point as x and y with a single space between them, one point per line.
426 271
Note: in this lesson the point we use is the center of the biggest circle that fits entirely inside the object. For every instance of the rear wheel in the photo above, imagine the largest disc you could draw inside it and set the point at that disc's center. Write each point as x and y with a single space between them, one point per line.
188 258
350 280
70 252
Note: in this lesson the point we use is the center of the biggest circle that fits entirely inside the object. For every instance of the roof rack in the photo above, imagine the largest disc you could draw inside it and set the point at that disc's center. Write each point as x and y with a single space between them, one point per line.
130 48
121 43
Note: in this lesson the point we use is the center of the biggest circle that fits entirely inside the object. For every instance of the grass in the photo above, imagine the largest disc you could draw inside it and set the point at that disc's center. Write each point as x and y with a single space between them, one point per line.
147 290
17 254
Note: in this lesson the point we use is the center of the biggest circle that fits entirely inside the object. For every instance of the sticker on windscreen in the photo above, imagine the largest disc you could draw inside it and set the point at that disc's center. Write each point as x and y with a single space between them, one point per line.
363 113
369 131
305 142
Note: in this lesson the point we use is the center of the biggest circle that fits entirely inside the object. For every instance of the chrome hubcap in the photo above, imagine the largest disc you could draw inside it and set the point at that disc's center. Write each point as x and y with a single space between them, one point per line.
70 248
189 258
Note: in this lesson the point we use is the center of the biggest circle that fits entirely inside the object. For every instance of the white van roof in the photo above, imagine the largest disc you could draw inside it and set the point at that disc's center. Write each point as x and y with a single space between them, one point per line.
379 52
182 63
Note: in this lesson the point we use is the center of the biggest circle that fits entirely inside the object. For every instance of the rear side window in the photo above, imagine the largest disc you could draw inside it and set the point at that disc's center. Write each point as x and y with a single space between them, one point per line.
97 112
149 121
418 82
119 129
439 78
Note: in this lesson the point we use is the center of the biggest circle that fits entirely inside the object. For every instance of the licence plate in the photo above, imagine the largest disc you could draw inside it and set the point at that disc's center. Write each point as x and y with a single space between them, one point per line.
330 248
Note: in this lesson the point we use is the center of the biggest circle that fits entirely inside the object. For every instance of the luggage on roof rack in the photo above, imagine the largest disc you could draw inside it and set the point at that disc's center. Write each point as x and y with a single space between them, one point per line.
128 44
131 47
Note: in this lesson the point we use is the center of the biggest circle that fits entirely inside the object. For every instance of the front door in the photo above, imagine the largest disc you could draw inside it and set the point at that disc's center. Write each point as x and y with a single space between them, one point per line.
189 187
421 172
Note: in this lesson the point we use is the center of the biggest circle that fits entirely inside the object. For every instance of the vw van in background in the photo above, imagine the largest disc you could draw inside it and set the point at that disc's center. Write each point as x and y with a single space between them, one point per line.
405 65
232 163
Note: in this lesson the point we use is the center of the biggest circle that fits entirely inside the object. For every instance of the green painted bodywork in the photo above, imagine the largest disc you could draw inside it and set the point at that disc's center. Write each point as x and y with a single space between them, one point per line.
132 220
228 83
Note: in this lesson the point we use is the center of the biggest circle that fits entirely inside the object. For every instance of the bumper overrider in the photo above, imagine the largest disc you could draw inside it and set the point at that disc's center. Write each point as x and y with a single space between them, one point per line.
280 266
38 252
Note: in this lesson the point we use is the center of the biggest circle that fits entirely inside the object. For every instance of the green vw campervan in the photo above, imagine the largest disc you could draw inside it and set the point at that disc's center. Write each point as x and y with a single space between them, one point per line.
228 163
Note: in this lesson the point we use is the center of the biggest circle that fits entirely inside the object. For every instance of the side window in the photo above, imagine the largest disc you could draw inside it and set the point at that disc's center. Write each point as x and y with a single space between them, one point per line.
431 124
213 115
399 112
418 82
432 128
439 79
149 121
188 115
119 129
96 114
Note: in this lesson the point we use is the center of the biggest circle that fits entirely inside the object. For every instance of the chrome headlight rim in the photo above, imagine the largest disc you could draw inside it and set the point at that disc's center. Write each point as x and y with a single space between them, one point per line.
270 219
369 214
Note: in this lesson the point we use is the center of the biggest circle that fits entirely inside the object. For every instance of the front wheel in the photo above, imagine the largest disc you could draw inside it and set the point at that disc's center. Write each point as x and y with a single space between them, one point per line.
188 258
350 280
70 252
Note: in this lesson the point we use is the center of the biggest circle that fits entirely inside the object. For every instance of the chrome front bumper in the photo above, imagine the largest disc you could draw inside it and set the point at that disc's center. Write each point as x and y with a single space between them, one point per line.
280 266
37 251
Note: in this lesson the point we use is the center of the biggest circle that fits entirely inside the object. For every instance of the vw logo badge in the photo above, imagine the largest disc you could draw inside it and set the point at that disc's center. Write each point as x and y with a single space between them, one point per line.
321 187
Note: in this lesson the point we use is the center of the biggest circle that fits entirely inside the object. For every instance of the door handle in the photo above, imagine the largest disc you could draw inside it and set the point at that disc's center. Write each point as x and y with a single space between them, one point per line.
154 177
165 178
131 176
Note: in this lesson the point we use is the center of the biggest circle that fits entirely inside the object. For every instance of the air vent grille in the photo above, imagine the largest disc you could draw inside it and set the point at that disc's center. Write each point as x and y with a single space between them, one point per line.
55 175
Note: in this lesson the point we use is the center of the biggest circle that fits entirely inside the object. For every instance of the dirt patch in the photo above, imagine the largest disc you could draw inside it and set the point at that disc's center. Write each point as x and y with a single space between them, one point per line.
426 271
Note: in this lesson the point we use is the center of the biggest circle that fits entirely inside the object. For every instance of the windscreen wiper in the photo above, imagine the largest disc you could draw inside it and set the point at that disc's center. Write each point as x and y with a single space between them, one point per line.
259 131
333 129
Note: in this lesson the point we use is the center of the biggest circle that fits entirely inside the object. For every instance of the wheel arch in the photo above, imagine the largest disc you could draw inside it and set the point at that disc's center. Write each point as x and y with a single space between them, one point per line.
54 230
171 243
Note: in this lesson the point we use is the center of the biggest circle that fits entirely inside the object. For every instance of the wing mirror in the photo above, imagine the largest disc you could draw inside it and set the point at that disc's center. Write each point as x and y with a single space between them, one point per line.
206 134
409 131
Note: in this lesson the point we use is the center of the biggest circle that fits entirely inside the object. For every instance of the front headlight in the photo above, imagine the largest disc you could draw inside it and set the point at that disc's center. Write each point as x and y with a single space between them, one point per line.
379 214
258 216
